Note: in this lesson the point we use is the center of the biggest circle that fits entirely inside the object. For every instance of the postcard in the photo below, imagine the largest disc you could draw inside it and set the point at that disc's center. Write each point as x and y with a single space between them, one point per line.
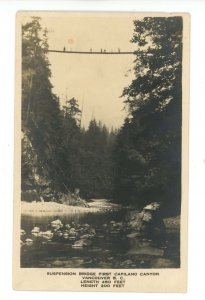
101 151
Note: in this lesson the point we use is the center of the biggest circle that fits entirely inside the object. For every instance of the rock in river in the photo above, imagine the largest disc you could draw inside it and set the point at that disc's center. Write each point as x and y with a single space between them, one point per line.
56 224
29 241
65 235
35 231
81 243
46 234
133 235
148 222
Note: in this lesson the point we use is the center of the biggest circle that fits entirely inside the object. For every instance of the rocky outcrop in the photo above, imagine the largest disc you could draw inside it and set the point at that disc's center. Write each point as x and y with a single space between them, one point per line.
148 222
34 180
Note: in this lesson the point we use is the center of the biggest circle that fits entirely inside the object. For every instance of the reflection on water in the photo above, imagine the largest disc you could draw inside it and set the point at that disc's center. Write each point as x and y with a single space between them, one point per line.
97 218
109 248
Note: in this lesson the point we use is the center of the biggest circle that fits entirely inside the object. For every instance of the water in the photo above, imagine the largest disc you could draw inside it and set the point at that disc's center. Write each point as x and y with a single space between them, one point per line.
97 218
108 248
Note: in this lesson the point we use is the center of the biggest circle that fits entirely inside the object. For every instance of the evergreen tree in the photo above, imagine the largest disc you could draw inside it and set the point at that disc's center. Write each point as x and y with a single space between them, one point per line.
148 151
72 141
55 147
96 162
41 117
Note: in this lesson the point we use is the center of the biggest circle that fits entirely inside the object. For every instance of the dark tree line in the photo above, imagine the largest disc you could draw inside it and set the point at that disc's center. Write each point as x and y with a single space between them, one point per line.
148 149
56 151
90 164
41 115
139 163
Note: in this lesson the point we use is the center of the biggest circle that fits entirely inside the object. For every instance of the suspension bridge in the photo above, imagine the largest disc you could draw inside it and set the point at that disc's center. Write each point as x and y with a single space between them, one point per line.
91 52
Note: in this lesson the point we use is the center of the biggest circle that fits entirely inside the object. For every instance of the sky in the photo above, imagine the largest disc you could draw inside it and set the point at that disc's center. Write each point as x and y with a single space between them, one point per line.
96 81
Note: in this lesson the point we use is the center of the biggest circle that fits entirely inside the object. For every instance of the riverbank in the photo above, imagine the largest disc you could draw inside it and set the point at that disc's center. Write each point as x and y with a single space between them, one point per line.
36 208
53 207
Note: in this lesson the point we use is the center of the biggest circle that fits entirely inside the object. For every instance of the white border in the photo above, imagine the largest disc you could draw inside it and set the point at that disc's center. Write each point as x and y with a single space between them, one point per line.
197 136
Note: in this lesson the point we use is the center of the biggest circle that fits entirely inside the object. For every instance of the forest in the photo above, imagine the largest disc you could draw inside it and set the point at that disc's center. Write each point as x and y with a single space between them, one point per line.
134 165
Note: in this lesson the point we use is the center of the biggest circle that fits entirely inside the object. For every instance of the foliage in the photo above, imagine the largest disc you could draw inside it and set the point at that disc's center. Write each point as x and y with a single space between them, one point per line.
148 150
138 164
96 161
55 146
41 116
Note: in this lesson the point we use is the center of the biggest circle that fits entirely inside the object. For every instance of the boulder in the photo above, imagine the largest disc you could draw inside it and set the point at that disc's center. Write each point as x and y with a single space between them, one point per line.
154 206
56 224
133 235
135 220
35 231
46 234
66 235
73 232
148 222
29 241
81 243
67 226
85 236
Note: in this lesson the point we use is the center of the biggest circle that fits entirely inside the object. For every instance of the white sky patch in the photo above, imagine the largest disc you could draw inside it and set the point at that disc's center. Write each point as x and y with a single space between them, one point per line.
97 81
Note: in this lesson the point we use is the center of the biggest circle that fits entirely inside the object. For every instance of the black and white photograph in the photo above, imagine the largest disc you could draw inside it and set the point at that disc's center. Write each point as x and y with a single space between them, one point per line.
101 100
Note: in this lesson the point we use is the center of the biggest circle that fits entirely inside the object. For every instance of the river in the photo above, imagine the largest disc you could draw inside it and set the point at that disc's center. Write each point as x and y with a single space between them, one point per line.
108 247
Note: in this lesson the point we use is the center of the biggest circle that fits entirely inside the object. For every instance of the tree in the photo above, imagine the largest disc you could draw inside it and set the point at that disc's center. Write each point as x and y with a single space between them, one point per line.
72 110
96 165
72 141
41 116
148 150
